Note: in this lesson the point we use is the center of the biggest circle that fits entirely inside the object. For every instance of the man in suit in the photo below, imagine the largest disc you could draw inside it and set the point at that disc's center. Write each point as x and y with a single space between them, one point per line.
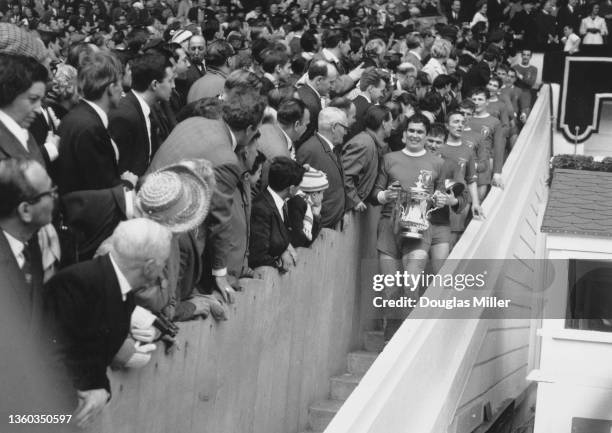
88 157
269 243
524 23
546 25
360 156
90 305
322 151
277 69
416 47
336 48
27 204
321 75
277 139
454 16
569 15
20 98
229 144
211 85
495 13
372 86
478 75
131 123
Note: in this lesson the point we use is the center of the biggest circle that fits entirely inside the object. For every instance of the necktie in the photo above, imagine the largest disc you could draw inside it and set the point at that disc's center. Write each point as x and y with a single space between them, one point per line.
26 268
285 213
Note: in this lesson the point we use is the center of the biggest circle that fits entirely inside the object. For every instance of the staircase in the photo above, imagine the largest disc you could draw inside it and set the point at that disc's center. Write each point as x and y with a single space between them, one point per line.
321 412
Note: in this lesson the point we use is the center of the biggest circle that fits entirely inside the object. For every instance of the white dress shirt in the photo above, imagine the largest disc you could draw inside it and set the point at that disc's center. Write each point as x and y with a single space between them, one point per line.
278 201
104 118
17 248
124 285
146 111
289 144
20 133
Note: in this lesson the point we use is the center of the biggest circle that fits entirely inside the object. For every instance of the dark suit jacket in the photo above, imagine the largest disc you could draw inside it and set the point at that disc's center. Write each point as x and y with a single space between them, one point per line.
29 381
454 21
86 157
28 297
297 207
92 216
39 130
495 12
313 102
546 24
11 147
526 24
319 155
127 125
361 106
360 162
269 235
89 319
477 76
566 17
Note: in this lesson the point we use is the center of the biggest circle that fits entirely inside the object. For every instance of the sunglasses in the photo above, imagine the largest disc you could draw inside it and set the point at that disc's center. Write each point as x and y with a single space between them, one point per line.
52 192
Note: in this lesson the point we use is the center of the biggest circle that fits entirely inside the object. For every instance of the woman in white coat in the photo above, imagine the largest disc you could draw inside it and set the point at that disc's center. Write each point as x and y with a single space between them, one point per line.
593 28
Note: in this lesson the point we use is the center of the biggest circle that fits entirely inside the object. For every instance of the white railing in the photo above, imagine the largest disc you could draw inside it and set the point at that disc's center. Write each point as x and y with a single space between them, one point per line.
436 375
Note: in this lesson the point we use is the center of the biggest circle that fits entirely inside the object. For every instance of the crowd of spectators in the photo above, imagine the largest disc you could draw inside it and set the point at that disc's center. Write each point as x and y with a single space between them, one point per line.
153 153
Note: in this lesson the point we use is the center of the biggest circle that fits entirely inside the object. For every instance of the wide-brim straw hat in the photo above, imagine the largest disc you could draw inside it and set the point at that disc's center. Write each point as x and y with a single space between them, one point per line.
178 196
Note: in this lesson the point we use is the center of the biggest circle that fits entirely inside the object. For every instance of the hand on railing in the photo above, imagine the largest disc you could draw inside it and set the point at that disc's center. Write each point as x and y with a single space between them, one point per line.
477 212
497 181
227 291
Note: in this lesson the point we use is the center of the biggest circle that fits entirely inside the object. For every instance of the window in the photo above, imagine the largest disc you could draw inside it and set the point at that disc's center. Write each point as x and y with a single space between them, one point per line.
589 305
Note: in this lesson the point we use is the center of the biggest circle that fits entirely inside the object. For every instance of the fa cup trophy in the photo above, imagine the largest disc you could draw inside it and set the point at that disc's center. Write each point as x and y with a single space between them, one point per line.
411 207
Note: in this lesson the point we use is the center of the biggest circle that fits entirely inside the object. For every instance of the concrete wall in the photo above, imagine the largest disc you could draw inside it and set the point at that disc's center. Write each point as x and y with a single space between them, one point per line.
259 371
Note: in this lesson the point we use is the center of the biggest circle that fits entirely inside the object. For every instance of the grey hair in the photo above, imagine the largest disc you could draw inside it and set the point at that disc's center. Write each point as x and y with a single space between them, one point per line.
141 239
329 116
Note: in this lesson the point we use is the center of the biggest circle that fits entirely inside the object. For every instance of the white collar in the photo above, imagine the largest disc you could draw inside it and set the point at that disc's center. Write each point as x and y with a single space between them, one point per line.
415 154
329 143
271 77
366 96
233 137
20 133
289 140
17 248
329 56
416 54
101 113
278 201
124 285
448 143
146 110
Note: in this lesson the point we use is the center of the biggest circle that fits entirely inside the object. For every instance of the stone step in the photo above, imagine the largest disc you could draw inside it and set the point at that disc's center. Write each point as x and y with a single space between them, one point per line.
359 362
321 413
374 341
342 386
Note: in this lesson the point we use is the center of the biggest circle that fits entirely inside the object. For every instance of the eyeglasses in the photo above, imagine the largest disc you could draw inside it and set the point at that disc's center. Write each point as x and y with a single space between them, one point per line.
343 125
52 192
